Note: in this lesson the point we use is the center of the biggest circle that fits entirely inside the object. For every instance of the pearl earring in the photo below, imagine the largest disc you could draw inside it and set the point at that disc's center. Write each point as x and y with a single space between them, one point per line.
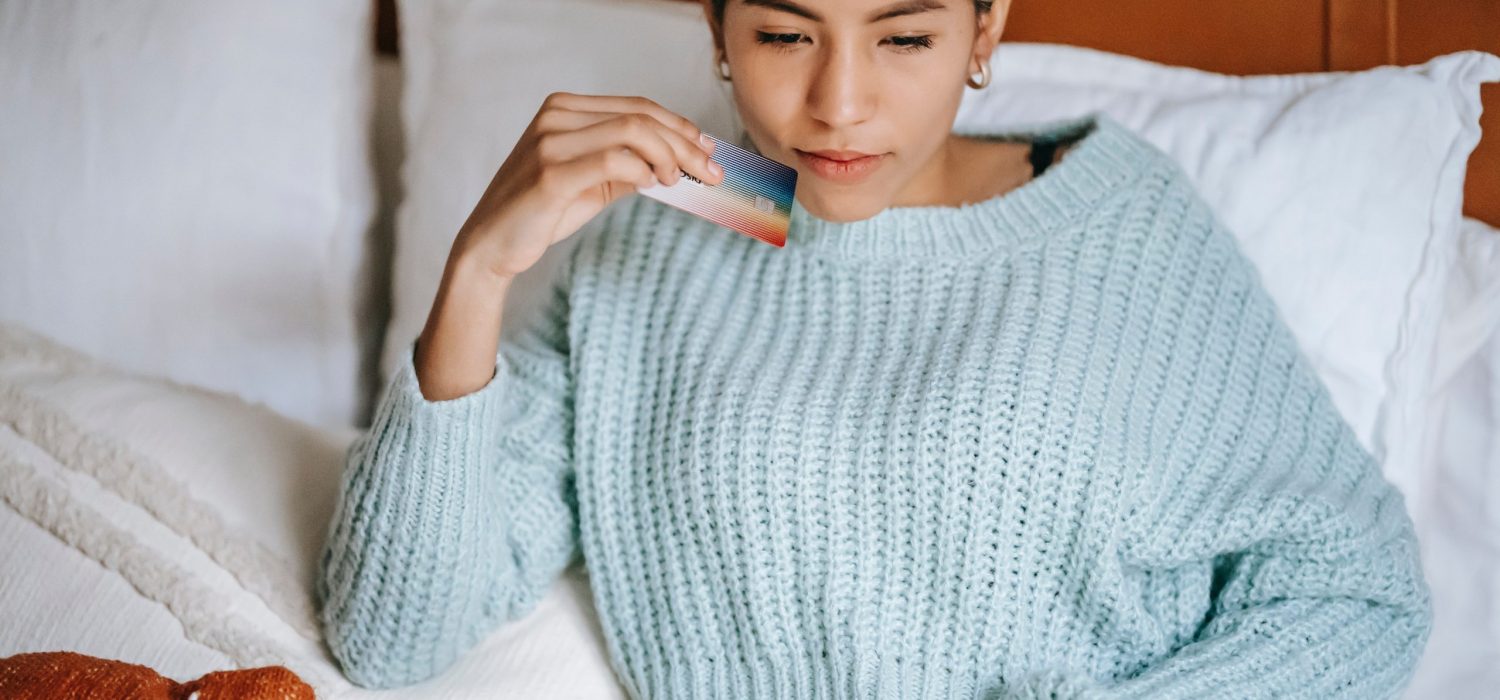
721 67
984 79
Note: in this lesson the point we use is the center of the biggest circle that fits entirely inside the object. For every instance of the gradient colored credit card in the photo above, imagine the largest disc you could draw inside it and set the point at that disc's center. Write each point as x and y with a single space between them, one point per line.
755 197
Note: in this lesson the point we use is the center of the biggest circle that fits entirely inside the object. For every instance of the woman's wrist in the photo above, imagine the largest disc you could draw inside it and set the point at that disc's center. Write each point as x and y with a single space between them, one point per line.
456 351
475 275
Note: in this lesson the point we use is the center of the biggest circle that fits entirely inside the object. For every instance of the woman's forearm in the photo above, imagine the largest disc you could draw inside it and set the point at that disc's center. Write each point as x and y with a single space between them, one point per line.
455 354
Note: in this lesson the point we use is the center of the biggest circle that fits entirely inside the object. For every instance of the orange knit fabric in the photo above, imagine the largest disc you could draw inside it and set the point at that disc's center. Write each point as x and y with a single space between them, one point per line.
65 674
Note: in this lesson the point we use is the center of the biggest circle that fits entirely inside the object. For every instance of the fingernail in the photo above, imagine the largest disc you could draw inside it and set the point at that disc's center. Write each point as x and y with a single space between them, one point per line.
716 169
707 141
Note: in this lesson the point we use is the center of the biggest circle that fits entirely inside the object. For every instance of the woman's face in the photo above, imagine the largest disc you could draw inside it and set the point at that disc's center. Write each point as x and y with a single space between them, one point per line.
847 77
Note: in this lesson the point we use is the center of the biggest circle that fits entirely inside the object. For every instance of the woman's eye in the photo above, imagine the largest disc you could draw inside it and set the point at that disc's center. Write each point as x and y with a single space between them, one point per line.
784 41
912 44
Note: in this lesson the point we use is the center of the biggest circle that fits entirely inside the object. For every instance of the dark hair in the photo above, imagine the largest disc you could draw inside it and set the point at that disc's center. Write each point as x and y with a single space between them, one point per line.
980 7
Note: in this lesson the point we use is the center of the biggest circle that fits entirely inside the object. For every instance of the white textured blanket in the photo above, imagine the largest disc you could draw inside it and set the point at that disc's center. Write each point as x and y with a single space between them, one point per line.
175 527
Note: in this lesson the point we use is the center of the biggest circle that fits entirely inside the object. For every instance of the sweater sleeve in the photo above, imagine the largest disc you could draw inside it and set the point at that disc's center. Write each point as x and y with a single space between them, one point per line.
454 515
1317 588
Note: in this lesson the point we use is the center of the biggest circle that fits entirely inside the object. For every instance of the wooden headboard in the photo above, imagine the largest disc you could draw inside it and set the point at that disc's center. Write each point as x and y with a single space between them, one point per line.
1246 37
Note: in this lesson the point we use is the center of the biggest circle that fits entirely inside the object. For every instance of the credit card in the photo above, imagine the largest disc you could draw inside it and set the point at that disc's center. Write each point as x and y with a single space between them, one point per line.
754 198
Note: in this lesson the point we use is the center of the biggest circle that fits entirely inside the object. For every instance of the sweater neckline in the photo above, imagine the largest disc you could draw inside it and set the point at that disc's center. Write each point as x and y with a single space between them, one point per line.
1104 157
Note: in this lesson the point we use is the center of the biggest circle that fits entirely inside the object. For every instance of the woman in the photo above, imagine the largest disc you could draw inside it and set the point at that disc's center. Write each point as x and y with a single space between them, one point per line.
985 427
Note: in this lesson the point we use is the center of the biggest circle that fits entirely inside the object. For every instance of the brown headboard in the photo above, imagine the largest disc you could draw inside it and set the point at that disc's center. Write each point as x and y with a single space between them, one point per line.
1288 36
1260 36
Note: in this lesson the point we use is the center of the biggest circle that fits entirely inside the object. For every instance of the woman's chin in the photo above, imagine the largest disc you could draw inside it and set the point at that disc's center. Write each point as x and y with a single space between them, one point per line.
839 208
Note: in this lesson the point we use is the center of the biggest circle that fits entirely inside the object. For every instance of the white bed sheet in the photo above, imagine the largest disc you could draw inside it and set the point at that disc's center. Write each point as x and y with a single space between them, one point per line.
1459 527
51 595
55 581
178 528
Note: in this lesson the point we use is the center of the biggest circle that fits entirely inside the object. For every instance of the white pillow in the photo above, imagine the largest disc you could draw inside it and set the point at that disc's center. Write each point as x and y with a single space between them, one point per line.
1344 188
177 527
1461 486
205 505
185 190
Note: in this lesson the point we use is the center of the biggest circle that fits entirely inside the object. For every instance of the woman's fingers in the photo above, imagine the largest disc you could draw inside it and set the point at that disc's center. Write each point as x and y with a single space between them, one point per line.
636 132
693 156
664 149
628 103
568 179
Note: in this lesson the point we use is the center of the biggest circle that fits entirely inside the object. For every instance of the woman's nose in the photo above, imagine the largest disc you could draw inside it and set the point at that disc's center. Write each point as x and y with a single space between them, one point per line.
842 93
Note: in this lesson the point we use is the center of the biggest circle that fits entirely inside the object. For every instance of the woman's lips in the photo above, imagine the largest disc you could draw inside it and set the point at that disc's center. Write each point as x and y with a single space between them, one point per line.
841 171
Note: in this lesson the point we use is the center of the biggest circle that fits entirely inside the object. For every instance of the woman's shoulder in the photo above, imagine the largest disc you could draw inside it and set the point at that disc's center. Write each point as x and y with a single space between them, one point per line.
1164 187
1168 211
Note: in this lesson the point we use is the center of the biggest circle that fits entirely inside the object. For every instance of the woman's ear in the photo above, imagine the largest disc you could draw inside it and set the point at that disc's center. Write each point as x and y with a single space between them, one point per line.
991 26
713 24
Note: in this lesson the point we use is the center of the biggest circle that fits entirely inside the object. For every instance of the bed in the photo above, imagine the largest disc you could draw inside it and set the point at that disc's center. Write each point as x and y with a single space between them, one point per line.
159 519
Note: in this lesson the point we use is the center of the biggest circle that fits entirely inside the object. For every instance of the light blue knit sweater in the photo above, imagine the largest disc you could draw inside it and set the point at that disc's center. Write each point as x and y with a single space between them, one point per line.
1055 444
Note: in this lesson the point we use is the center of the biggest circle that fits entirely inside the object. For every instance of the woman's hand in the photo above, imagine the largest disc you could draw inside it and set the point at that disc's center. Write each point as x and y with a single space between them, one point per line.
579 153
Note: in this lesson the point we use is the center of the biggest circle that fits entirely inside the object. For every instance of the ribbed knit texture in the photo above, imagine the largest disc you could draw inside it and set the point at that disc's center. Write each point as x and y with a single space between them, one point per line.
1055 444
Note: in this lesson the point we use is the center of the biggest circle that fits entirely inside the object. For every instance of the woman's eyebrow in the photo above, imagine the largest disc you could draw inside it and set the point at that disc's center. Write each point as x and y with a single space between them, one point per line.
898 9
